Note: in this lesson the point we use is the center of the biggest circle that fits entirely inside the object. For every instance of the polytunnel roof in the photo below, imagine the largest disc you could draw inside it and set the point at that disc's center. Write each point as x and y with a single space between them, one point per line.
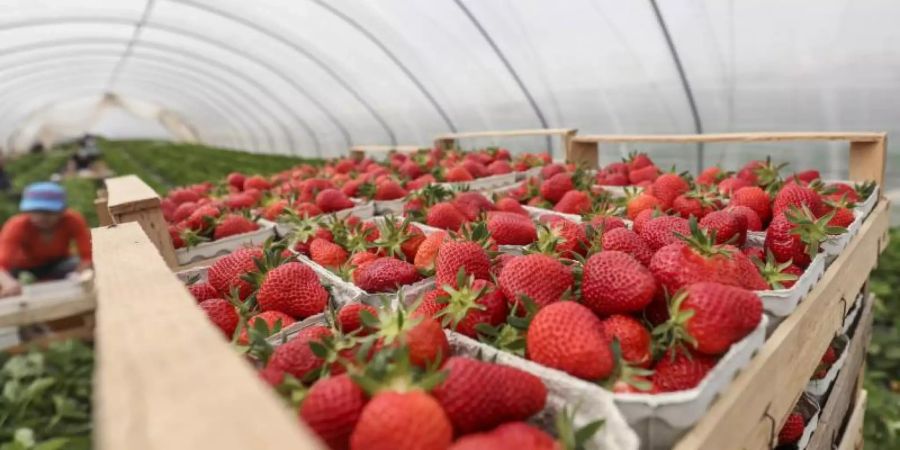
313 77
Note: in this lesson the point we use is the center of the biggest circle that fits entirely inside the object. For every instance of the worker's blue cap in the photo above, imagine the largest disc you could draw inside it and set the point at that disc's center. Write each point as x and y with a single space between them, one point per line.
43 196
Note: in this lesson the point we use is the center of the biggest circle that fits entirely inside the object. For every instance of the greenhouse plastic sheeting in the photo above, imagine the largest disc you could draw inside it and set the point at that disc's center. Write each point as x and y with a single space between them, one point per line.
313 77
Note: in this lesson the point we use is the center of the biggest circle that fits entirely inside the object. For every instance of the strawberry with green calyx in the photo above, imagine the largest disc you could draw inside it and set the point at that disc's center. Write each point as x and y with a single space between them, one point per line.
697 202
777 275
509 336
567 336
620 239
797 235
396 327
764 172
349 318
399 240
470 303
455 254
418 203
681 370
630 338
729 228
331 408
542 278
228 272
427 252
863 191
559 237
327 254
303 230
754 198
222 314
709 317
668 186
637 201
711 176
629 378
842 211
794 195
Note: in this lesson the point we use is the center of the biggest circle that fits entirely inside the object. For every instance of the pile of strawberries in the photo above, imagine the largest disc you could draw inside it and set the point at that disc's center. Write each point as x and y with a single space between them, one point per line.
195 216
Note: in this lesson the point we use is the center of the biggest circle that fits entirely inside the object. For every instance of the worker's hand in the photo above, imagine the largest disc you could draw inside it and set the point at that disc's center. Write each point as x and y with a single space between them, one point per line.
84 265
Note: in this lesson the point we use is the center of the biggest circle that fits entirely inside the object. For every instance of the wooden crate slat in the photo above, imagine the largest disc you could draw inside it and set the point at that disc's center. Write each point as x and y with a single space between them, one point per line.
128 194
42 309
732 137
507 133
165 377
755 402
853 434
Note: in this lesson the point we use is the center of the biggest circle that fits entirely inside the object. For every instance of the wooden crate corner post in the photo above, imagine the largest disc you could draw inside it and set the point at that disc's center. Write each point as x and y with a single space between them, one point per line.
129 199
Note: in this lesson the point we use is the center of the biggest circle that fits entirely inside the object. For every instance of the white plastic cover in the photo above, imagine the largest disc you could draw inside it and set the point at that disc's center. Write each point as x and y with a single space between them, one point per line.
313 77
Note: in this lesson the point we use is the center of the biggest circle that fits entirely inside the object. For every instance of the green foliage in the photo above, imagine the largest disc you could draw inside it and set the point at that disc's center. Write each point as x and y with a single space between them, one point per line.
46 398
882 422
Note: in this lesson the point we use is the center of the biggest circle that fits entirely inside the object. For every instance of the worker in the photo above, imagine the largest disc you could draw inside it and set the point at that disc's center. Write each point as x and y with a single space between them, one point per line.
40 238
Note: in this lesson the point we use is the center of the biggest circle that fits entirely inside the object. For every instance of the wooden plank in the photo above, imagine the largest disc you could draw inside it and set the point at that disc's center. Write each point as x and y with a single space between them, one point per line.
508 133
840 401
128 194
155 226
165 378
358 152
42 310
785 363
731 137
867 160
853 434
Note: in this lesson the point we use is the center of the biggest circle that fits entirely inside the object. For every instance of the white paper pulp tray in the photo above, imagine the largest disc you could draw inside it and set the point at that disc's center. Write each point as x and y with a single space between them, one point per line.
363 209
485 183
781 302
818 388
850 318
210 250
532 172
536 213
561 392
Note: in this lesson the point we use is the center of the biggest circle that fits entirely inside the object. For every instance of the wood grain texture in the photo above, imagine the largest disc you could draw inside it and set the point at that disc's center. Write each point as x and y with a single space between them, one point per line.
733 137
853 435
770 385
29 311
508 133
128 194
165 378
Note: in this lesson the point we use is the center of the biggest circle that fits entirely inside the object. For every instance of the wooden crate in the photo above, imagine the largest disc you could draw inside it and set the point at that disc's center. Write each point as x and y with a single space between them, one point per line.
129 199
852 439
451 140
750 412
165 378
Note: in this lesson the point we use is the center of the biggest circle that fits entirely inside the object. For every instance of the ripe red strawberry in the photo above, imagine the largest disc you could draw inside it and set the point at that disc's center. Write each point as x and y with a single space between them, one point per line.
637 161
640 203
175 235
510 205
660 231
233 225
445 215
540 277
257 182
511 435
271 318
793 194
677 371
714 315
643 174
236 180
607 223
796 235
511 229
331 200
777 275
570 237
634 338
746 215
183 211
478 395
420 182
327 254
430 306
239 201
472 204
807 176
688 205
499 168
458 173
225 274
843 217
331 409
275 209
754 198
830 356
792 430
637 225
183 195
385 275
423 336
203 291
469 256
732 184
402 421
202 217
348 318
668 187
710 176
295 357
221 314
574 202
843 191
569 337
473 303
306 209
554 188
294 289
428 250
727 227
550 170
616 283
625 240
389 189
361 258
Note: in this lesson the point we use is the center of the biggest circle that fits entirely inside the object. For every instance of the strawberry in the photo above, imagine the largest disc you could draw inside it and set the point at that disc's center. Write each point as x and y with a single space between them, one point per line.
306 209
540 277
795 235
728 227
420 182
271 318
295 357
668 187
640 203
331 409
710 317
510 205
625 240
678 371
476 168
616 283
472 303
457 174
569 337
183 195
643 174
257 182
294 289
389 190
275 209
511 435
465 255
203 291
693 204
239 201
327 254
422 336
565 238
360 259
842 218
479 395
428 250
754 198
202 217
349 319
633 337
637 225
445 215
511 229
236 180
792 430
574 202
233 225
221 314
807 176
554 188
661 231
227 272
746 216
830 356
402 421
499 168
183 211
710 176
331 200
472 204
385 275
607 223
843 191
793 194
550 170
732 184
175 235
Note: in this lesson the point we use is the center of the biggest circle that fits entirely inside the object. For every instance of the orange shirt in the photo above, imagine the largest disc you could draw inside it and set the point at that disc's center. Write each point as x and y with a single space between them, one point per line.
22 246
